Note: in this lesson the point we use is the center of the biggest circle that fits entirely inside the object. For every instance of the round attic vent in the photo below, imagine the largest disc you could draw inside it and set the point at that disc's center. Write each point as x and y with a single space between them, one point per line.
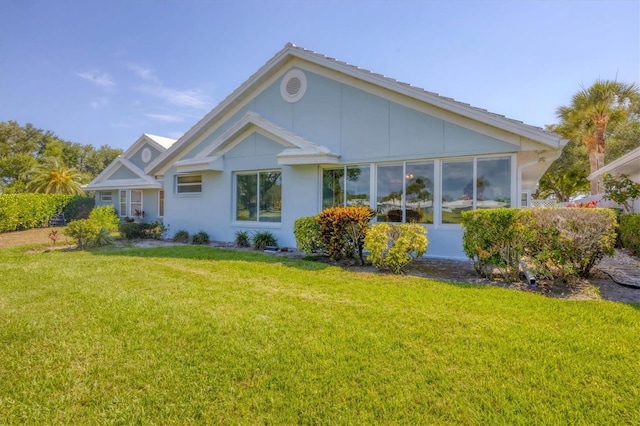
146 155
293 86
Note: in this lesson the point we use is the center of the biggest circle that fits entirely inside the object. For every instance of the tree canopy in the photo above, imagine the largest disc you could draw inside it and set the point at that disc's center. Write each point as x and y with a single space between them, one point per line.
24 150
601 124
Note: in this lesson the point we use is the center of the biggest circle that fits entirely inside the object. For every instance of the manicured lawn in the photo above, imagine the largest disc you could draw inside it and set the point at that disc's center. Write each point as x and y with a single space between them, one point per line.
197 335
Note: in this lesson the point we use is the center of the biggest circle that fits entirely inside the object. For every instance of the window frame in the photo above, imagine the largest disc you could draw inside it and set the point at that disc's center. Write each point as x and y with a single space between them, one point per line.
161 201
178 185
104 199
257 221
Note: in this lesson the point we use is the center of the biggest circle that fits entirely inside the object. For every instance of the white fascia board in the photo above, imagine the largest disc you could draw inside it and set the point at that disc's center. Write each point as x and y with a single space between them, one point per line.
631 159
123 184
135 169
200 164
297 157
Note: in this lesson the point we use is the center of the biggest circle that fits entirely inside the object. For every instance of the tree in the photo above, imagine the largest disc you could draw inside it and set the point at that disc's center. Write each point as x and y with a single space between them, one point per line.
23 147
590 114
51 177
567 176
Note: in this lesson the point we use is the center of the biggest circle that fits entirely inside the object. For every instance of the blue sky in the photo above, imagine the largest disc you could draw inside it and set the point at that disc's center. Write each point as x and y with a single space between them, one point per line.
104 72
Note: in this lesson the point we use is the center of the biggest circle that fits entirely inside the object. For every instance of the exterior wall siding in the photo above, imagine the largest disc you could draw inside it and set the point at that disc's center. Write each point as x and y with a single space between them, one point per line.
361 127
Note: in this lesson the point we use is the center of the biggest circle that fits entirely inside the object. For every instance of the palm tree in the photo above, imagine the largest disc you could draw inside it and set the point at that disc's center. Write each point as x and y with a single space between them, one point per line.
51 177
592 109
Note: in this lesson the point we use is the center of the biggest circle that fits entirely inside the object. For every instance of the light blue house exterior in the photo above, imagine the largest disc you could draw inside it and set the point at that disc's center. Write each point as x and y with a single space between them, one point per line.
124 184
306 132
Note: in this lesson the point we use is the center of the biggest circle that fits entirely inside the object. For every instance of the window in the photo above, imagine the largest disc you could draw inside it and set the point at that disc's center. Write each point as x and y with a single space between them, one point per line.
135 204
481 183
191 184
123 203
346 186
130 201
404 192
105 196
161 203
259 196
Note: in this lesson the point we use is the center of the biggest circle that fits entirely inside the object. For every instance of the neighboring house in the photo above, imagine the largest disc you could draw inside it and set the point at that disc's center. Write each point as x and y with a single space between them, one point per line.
628 164
306 132
124 184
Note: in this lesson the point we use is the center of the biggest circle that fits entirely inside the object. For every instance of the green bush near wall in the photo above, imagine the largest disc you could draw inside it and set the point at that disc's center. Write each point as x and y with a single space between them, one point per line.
26 211
630 232
557 243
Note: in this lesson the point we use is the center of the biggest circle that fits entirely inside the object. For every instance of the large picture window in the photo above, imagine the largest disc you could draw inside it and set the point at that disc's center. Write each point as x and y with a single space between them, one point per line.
404 192
346 186
189 184
482 183
259 196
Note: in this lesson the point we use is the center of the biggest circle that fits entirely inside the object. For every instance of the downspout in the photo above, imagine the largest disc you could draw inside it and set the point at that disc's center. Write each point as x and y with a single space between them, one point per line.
529 164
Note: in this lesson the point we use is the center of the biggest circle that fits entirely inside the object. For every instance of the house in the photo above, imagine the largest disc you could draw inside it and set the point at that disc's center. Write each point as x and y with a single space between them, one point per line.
124 184
628 164
306 132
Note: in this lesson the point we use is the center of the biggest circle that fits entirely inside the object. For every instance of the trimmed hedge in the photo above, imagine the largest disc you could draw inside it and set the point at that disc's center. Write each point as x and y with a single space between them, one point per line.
557 243
19 212
630 232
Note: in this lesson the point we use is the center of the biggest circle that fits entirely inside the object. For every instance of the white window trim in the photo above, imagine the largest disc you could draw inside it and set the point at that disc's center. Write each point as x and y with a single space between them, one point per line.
234 205
160 212
177 185
128 211
103 199
437 184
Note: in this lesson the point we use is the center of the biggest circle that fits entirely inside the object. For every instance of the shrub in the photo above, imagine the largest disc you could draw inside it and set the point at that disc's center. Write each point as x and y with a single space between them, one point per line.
200 238
133 230
243 239
264 239
622 190
84 232
495 238
630 232
307 232
393 246
78 207
343 229
181 236
156 230
103 238
106 216
26 211
569 242
556 242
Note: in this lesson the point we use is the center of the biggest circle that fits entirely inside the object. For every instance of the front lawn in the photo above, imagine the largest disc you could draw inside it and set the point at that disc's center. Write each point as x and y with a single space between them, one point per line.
197 335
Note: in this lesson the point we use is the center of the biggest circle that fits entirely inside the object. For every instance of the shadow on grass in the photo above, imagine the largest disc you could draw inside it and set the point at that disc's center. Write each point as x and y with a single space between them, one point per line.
191 252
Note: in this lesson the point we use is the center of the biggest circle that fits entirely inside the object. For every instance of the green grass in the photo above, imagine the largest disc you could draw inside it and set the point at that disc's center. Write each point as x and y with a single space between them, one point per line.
197 335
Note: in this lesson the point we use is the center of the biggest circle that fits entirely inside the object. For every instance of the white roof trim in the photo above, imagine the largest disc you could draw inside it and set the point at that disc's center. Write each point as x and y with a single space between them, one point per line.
296 145
214 163
630 159
164 143
122 184
291 51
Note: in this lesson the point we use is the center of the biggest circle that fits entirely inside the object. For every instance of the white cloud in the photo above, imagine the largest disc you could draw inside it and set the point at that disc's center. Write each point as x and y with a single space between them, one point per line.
188 98
101 79
99 103
169 118
143 72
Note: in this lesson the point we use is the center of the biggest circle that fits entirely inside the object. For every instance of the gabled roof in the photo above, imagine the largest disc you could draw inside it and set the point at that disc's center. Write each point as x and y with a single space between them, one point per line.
143 181
291 51
297 150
